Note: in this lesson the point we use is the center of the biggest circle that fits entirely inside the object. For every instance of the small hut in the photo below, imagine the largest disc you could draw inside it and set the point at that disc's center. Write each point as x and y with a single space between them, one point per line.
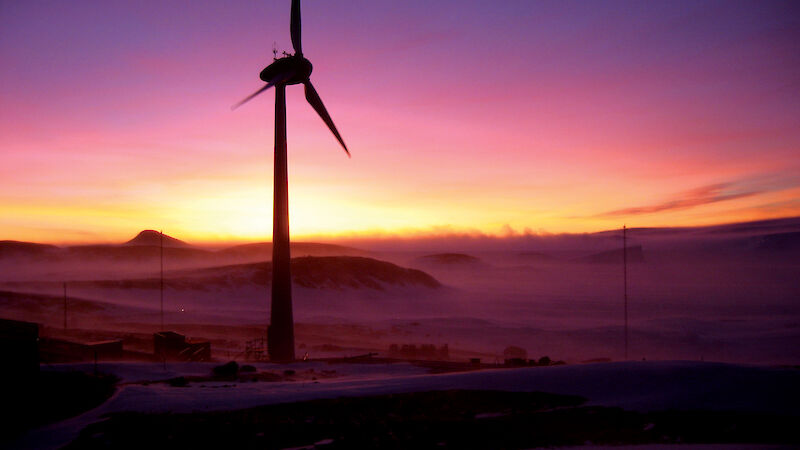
172 346
515 356
19 346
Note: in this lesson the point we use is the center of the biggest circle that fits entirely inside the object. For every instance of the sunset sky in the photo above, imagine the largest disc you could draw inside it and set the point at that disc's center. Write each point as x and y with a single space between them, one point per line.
461 116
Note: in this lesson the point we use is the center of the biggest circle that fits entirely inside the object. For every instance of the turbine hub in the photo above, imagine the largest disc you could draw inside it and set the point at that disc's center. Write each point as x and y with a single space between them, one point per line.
294 63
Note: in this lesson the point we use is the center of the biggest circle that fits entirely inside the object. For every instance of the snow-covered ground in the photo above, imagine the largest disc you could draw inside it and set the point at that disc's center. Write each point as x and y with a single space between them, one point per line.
642 386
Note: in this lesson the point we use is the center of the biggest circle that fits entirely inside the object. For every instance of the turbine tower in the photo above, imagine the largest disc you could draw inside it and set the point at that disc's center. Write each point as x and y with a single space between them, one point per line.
285 71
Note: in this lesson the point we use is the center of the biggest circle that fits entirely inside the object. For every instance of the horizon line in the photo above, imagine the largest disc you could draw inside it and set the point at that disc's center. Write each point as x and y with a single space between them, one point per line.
414 235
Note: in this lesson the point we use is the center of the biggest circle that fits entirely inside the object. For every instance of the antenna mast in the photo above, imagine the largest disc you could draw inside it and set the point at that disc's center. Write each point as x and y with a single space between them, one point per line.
161 234
625 282
65 305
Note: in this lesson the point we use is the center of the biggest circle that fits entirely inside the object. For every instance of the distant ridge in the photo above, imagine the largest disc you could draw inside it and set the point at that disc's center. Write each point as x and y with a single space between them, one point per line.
757 227
775 238
263 250
323 272
153 237
19 248
144 249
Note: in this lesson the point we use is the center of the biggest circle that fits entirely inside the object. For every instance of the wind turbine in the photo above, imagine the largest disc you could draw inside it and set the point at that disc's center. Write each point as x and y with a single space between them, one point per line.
285 71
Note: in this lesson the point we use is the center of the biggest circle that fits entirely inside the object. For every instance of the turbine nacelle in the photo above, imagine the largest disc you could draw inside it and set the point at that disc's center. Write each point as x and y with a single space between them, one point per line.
293 69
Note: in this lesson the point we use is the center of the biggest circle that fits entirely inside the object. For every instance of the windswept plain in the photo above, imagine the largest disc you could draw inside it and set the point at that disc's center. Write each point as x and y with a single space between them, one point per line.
726 293
721 300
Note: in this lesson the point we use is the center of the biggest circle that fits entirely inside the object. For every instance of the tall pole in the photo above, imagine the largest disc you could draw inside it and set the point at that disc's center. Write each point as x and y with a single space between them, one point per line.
625 281
280 334
65 305
161 287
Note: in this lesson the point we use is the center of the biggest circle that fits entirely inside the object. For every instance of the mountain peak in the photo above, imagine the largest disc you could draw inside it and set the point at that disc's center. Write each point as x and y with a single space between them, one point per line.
153 237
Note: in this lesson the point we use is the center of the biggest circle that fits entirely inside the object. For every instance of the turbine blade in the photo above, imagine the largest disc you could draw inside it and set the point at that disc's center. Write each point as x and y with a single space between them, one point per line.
316 103
250 97
294 28
278 79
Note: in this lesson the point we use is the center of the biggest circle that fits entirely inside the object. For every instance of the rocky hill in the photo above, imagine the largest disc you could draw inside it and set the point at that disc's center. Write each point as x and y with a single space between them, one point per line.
154 238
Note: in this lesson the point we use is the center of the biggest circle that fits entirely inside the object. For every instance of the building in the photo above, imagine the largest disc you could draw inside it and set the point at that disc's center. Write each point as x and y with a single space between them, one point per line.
19 344
59 350
171 346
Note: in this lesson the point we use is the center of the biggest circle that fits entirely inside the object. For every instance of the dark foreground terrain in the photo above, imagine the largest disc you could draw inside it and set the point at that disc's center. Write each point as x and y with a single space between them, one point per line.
455 418
49 397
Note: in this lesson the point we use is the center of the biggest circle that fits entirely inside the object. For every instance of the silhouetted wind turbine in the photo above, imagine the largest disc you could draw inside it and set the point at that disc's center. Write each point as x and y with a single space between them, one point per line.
291 69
